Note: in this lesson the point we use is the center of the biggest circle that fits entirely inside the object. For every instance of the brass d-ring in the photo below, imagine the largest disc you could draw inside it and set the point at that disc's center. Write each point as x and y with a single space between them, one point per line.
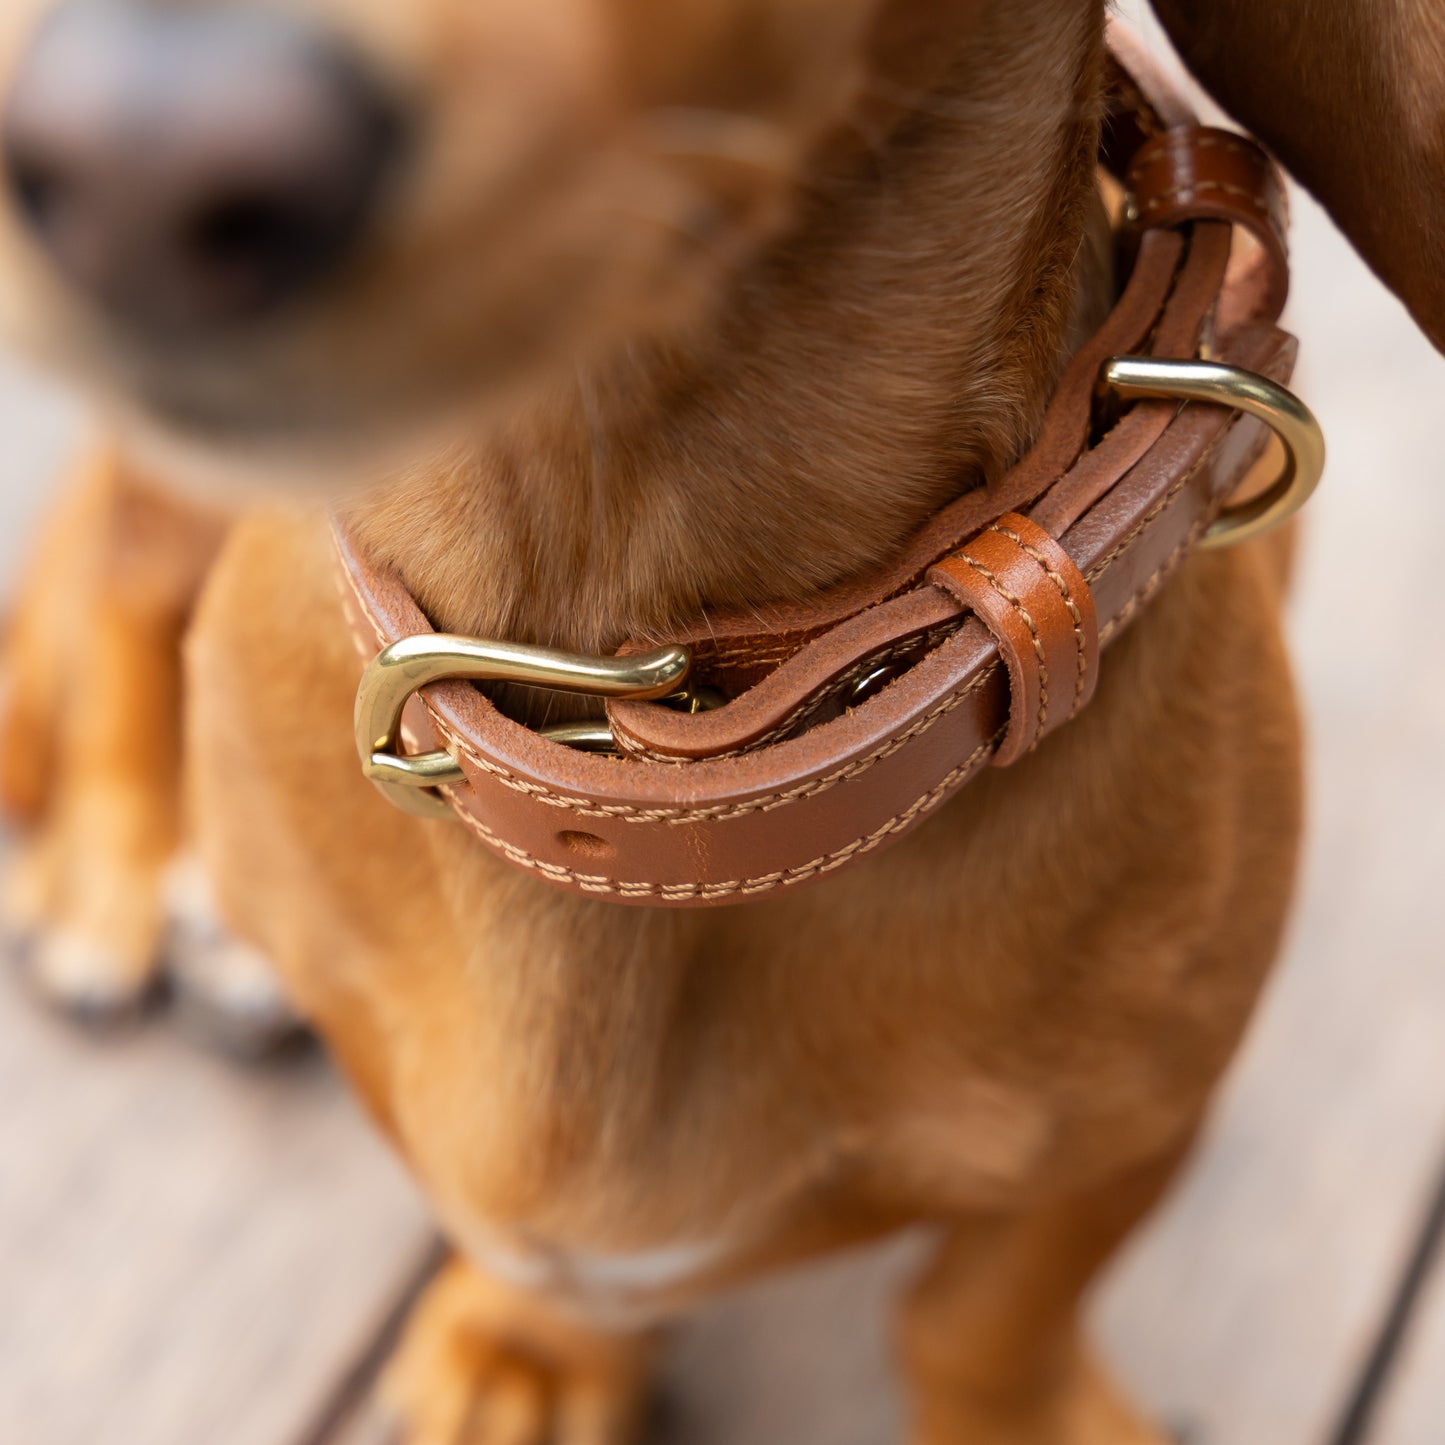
407 666
1280 409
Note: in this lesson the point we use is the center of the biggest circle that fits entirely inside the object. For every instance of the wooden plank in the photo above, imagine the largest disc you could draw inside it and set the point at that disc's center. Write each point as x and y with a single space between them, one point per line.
1411 1407
801 1359
188 1251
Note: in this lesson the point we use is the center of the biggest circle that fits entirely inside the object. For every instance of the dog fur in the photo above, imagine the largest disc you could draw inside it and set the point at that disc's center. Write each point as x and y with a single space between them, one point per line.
836 292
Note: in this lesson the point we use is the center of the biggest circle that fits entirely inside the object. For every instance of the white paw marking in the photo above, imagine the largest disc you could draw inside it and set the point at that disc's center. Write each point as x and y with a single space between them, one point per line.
82 974
207 962
614 1291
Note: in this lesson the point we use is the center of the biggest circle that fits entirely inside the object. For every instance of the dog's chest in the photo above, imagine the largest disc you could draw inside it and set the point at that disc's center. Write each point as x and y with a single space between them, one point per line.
617 1209
611 1207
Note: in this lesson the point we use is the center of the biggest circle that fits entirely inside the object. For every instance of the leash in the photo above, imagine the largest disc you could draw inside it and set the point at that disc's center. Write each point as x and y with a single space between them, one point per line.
761 752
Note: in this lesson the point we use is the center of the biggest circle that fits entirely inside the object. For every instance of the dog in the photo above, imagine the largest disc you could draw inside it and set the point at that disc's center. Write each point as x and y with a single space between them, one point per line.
102 899
591 319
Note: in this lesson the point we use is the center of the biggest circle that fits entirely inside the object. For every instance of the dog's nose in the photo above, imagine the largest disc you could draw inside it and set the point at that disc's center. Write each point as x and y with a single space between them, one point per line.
188 167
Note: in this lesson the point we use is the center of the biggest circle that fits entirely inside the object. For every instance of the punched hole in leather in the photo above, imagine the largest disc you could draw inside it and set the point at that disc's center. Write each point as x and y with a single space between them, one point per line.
1025 588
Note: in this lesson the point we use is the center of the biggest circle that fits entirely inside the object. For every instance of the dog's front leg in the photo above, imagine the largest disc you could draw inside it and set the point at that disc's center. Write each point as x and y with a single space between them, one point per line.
991 1336
482 1363
90 735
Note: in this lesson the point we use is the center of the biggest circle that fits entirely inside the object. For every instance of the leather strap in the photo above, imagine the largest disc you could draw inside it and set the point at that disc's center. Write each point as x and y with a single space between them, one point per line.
1198 174
988 629
1026 590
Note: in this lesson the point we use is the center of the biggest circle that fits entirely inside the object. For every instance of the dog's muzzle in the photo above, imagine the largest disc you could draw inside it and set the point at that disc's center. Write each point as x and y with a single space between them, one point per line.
187 169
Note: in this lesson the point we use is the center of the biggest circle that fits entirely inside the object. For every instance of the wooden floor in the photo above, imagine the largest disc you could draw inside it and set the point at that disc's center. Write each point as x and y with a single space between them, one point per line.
196 1254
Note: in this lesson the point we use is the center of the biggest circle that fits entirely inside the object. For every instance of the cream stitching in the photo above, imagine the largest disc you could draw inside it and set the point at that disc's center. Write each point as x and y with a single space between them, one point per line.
1135 103
1033 628
1145 521
1223 142
785 877
679 817
1193 140
1183 195
352 602
1166 567
1061 583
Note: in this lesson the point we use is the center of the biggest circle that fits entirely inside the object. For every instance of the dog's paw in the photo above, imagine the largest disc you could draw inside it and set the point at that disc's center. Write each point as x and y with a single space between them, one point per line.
482 1365
94 984
226 993
95 960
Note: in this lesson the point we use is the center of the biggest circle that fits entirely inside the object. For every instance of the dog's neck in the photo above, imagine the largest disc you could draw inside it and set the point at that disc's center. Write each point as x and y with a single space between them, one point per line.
897 346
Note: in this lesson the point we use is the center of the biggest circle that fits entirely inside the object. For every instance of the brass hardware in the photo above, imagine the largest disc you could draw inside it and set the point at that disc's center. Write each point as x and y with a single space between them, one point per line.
873 682
407 666
698 699
587 736
1283 412
594 735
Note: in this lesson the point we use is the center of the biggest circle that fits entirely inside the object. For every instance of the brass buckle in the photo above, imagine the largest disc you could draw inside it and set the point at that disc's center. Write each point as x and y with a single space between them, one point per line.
404 668
1279 408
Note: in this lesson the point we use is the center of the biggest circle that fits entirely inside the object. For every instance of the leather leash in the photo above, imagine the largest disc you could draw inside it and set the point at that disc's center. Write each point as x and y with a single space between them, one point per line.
847 722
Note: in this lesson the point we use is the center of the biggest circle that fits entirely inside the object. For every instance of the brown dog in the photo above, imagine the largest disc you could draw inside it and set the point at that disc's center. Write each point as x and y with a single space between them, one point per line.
670 308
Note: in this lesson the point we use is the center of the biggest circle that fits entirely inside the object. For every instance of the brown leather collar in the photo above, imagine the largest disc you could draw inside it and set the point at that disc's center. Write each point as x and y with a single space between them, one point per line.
978 642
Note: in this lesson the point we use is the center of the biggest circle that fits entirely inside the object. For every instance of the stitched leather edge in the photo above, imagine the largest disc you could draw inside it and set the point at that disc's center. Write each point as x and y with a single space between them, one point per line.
680 817
1066 592
1041 722
741 887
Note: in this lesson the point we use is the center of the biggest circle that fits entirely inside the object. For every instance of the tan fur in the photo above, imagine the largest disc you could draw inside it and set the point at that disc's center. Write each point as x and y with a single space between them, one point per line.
1010 1024
90 736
